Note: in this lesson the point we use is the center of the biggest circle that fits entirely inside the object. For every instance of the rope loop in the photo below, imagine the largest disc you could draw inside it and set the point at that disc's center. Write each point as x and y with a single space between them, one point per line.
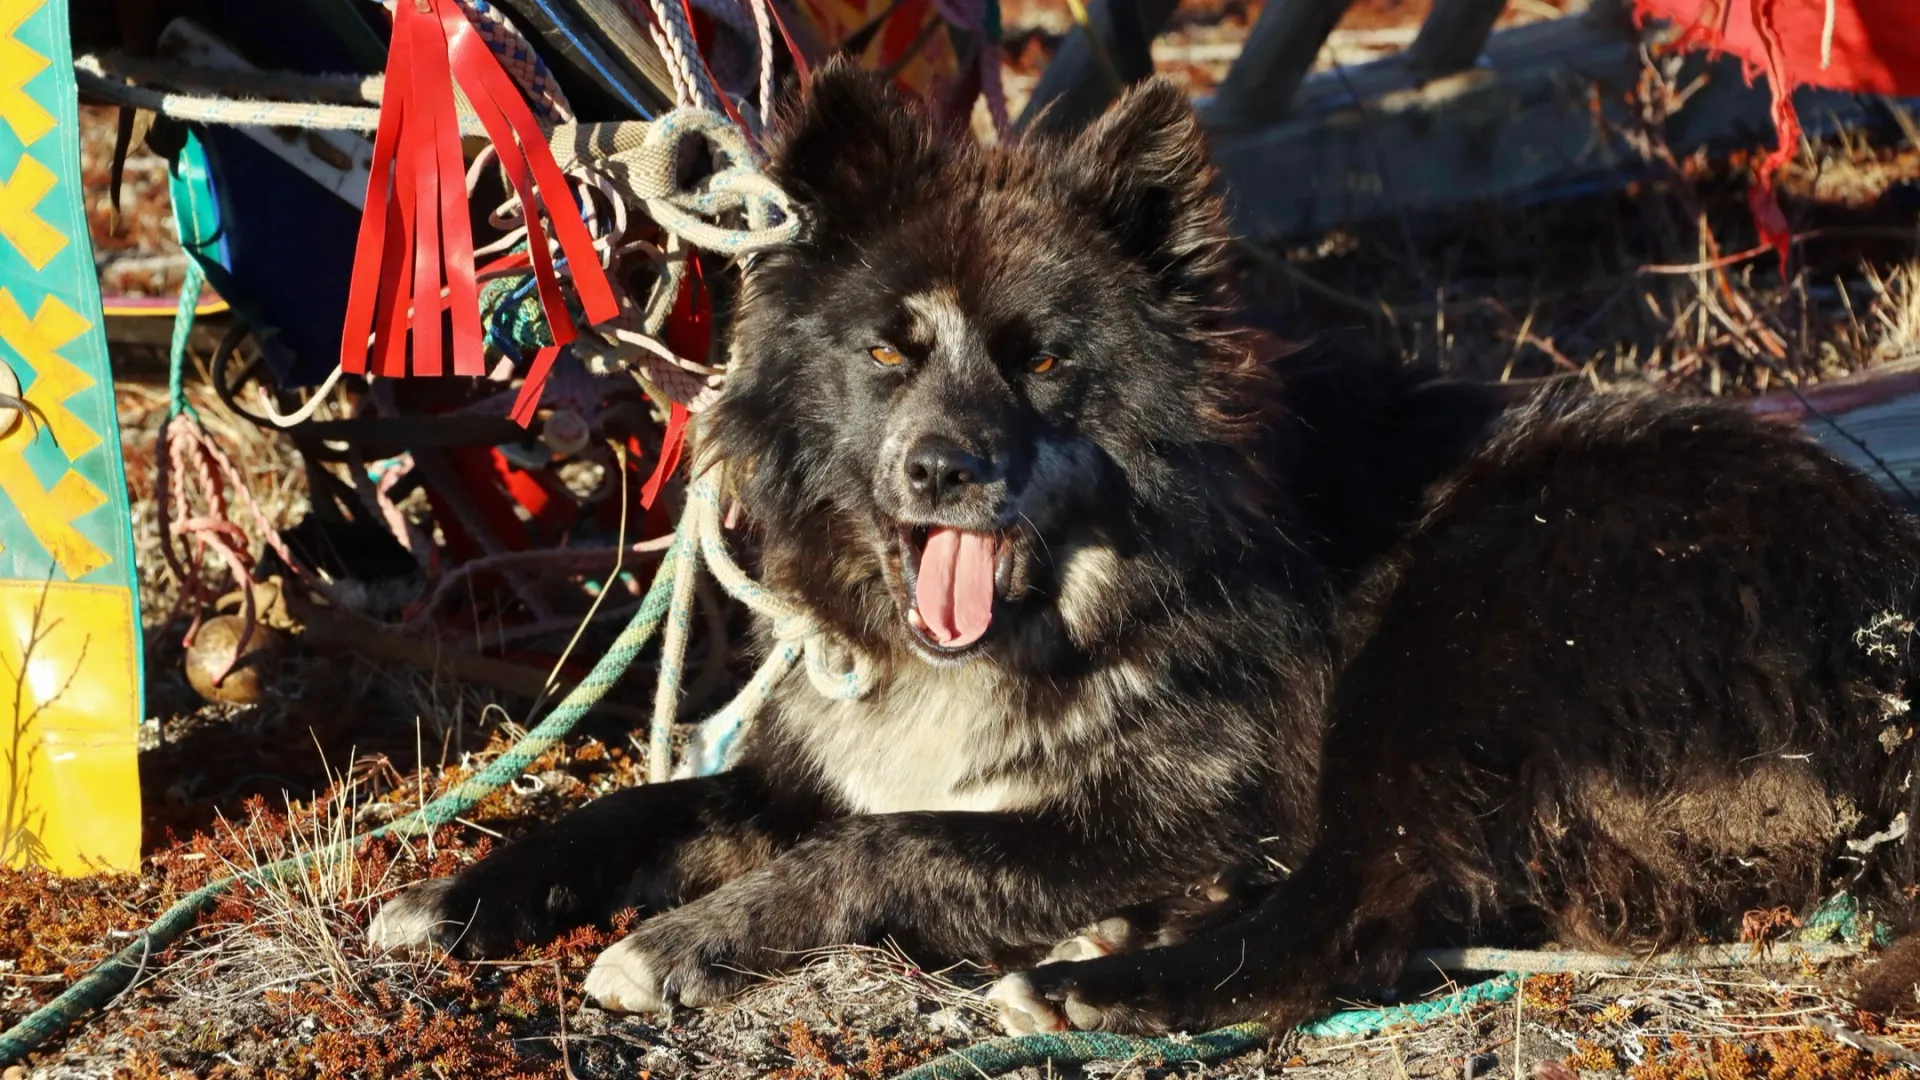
838 669
738 186
644 158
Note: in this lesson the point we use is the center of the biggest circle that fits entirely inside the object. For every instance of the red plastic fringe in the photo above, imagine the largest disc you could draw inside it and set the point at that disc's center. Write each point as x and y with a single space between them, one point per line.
416 237
689 333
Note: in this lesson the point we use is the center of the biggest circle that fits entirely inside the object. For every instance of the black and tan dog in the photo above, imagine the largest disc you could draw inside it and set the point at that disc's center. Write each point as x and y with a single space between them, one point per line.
1602 668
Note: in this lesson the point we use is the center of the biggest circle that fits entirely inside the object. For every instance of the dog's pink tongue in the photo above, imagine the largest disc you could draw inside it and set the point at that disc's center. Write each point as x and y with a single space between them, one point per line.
955 590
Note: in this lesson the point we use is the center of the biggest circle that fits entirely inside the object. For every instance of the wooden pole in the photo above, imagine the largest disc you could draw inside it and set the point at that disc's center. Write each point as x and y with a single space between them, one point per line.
1086 75
1451 38
1278 53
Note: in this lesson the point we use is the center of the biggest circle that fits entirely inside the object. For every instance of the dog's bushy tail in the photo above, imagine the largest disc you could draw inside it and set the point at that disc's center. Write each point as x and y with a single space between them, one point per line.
1891 987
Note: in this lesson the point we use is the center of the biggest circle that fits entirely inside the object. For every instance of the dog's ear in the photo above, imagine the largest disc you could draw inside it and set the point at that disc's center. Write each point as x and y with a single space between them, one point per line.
1143 169
849 146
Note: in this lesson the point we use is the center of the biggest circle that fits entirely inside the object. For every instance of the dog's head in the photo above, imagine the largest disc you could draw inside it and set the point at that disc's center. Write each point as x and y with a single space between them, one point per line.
991 388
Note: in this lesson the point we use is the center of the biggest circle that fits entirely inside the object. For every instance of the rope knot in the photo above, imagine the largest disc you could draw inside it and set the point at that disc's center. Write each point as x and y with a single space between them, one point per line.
644 159
836 668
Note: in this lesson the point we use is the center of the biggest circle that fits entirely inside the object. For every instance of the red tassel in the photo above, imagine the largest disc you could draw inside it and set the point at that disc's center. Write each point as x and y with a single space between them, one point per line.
536 382
674 441
689 333
415 234
1771 221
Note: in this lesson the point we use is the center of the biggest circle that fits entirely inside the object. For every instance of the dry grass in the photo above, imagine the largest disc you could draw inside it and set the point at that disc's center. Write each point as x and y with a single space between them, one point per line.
1665 281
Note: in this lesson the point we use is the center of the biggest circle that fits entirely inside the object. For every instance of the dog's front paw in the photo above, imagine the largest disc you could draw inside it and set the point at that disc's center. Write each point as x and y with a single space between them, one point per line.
1021 1009
1090 995
671 960
627 978
488 911
415 918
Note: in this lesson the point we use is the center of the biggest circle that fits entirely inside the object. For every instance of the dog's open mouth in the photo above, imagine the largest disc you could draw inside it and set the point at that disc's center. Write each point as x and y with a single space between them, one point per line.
953 579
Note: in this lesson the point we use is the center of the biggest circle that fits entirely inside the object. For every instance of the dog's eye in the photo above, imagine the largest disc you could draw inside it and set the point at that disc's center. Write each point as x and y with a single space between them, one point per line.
886 356
1042 363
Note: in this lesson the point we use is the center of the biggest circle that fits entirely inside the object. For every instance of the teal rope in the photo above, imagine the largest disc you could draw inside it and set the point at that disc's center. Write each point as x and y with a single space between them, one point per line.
997 1057
1840 917
182 331
98 986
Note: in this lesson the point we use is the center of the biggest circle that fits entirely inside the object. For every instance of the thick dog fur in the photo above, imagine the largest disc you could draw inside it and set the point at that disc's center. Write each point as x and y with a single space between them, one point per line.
1609 669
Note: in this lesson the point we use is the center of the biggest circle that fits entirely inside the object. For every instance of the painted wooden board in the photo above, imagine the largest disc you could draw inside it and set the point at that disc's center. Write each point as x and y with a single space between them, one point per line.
70 662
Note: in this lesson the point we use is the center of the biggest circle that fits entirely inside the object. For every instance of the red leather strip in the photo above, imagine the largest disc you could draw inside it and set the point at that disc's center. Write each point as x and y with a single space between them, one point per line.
420 163
478 71
800 64
529 399
688 333
689 329
671 444
363 292
470 56
396 272
433 82
513 260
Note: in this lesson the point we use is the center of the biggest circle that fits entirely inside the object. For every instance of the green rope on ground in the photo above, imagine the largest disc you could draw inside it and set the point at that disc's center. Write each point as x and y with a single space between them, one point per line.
1839 917
997 1057
99 986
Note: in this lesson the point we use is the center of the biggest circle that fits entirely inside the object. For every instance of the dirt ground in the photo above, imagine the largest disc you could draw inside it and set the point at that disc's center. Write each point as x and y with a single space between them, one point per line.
1660 283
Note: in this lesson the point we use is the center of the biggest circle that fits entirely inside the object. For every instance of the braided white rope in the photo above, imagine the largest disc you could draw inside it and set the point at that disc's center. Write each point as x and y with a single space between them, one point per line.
237 112
837 669
763 27
683 52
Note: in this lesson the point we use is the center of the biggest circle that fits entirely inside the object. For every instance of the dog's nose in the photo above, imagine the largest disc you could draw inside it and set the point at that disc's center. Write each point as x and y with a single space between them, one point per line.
938 470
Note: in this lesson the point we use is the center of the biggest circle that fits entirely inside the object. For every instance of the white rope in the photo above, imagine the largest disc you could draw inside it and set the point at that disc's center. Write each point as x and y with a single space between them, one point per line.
763 28
673 656
1538 962
838 670
305 412
239 112
275 85
683 52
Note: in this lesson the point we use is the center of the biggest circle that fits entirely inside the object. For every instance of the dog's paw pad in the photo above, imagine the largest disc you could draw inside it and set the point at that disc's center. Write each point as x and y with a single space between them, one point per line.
627 978
1104 938
1021 1009
1085 1017
412 919
1080 947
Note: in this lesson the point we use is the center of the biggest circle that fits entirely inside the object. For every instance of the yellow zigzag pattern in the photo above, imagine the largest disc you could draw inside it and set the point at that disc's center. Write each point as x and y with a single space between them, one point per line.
49 513
38 241
18 65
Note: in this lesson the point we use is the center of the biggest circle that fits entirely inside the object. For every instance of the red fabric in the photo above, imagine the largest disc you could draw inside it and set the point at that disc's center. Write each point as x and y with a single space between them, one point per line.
1875 50
1876 43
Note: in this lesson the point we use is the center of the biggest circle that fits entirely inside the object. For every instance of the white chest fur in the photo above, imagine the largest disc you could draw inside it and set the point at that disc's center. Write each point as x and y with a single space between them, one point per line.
926 739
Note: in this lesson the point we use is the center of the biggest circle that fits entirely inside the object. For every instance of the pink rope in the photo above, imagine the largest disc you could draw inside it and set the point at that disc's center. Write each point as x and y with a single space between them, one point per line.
186 449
